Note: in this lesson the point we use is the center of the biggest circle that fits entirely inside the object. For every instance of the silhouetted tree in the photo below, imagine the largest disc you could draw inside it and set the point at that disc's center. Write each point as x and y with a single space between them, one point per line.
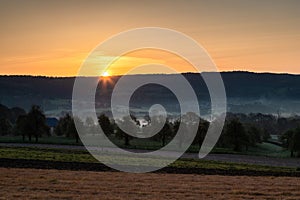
265 135
89 122
165 133
22 127
130 123
72 131
105 124
191 121
296 139
32 124
236 134
202 130
66 126
176 126
62 126
37 122
4 112
254 135
287 140
291 140
15 113
5 126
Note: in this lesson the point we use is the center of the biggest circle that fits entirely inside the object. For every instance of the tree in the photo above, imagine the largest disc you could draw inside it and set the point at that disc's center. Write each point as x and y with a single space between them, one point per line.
15 113
22 126
105 124
5 112
287 140
158 128
32 124
5 126
265 135
89 121
66 126
202 130
165 133
37 122
254 135
291 140
236 134
176 126
62 126
189 124
296 141
71 129
130 123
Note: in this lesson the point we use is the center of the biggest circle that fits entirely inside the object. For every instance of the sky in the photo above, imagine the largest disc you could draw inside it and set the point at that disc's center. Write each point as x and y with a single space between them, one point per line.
53 38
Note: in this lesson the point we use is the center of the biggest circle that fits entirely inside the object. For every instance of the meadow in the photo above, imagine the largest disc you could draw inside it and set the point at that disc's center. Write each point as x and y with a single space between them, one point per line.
54 173
181 165
263 149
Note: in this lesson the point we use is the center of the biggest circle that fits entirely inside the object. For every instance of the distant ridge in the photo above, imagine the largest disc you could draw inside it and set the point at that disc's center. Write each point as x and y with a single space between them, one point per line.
246 91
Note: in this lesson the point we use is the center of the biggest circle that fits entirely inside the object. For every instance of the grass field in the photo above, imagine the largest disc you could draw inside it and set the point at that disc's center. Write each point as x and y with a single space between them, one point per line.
54 184
65 155
42 140
18 183
264 149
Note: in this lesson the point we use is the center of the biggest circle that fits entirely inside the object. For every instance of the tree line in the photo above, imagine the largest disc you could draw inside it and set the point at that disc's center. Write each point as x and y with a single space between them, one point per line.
240 132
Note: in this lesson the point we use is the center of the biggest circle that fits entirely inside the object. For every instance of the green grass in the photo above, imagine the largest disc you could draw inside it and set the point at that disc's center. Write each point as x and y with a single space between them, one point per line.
83 156
46 154
264 149
42 140
189 163
268 149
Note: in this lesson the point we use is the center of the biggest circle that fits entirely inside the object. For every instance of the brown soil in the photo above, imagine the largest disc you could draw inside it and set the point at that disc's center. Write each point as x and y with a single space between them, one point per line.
62 184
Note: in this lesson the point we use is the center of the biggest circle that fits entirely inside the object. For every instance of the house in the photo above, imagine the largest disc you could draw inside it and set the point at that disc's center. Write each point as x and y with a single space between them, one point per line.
52 123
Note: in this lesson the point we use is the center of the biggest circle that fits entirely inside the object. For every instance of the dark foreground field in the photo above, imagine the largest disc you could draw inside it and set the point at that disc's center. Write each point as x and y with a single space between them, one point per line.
53 173
62 184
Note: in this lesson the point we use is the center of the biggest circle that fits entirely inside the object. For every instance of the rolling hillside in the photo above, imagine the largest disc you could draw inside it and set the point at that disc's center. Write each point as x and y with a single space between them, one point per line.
246 92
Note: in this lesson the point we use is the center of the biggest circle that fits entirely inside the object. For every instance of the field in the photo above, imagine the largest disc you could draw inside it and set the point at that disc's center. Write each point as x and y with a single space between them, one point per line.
263 149
53 173
53 184
76 157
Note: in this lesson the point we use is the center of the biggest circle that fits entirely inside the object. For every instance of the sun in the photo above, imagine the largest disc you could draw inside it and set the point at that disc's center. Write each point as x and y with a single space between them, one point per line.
105 79
105 74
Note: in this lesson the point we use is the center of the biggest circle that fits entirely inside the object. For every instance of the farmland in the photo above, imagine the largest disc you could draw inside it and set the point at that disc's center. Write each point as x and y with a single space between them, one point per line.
74 159
53 184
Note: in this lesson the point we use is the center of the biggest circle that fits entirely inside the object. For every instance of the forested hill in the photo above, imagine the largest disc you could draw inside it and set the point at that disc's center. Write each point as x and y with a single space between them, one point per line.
246 91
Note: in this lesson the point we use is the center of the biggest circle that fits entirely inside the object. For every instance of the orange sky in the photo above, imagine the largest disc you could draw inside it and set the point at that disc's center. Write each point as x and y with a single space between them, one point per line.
53 37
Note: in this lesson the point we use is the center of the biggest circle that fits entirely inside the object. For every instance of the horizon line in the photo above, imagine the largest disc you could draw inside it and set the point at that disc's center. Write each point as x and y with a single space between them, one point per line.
117 75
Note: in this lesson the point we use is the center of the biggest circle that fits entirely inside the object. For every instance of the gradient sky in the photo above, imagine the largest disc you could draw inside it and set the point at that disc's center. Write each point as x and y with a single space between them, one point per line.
53 37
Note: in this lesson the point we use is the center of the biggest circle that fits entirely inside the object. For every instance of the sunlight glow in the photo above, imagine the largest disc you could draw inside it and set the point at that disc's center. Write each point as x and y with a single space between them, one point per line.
105 74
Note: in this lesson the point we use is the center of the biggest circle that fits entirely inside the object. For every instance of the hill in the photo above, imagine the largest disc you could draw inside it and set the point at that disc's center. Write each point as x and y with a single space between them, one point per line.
246 92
